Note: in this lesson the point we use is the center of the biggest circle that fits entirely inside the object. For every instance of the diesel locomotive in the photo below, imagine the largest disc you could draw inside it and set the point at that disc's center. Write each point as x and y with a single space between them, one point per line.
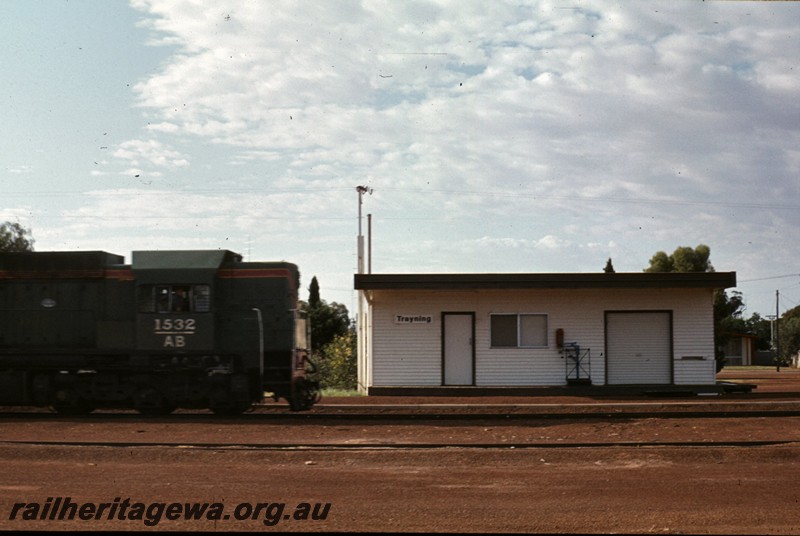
172 329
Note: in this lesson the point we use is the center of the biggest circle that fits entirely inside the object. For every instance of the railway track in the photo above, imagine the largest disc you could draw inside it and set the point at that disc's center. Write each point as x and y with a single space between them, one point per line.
444 412
386 446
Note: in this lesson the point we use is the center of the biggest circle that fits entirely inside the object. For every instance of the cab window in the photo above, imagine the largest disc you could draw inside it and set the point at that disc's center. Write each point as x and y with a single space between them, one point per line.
174 299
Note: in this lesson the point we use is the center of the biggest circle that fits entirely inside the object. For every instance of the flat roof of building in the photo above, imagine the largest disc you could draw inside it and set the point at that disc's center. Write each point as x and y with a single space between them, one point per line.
712 280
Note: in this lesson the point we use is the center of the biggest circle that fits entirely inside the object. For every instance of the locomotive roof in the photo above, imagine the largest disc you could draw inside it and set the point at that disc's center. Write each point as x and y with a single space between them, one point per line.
88 263
148 267
182 259
180 266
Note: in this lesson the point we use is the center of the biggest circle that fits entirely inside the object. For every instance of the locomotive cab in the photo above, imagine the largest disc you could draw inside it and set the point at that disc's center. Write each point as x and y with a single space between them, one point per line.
232 321
174 308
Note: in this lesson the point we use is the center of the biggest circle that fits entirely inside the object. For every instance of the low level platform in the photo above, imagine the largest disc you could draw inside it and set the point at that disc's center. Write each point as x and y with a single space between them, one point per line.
718 388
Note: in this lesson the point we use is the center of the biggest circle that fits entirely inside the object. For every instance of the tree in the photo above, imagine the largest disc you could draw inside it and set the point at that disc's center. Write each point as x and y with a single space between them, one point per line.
338 367
327 320
683 259
332 339
727 310
789 335
762 329
609 269
728 322
313 293
15 237
660 262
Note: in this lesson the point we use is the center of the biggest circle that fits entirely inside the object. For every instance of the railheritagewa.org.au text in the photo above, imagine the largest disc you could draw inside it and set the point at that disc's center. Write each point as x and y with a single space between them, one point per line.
150 514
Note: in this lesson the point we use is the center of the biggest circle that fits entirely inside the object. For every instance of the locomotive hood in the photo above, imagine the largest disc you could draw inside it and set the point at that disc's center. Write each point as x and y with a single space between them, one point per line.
180 266
56 264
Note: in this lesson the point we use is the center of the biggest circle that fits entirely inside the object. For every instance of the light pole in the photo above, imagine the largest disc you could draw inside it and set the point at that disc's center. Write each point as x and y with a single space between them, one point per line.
777 331
361 191
771 319
360 324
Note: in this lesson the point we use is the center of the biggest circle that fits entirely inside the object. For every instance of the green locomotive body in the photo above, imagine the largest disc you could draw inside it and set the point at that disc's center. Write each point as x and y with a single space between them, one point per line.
174 329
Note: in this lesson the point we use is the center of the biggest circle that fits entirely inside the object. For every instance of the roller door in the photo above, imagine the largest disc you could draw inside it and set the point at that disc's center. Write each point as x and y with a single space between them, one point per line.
639 348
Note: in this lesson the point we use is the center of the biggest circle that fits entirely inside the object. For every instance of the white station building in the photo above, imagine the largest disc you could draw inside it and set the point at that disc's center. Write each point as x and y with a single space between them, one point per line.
532 330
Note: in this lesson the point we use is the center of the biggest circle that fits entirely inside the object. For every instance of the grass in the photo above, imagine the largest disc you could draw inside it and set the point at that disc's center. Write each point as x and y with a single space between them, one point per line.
750 367
340 392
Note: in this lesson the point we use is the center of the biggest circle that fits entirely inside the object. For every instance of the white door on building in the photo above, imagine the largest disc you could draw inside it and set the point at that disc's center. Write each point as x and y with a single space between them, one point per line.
459 356
639 347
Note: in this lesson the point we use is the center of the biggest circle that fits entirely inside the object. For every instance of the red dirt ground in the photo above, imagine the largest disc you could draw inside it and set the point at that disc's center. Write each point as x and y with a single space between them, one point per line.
593 474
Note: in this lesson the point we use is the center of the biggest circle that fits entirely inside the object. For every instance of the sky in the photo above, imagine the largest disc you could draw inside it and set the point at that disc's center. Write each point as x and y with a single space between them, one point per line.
492 136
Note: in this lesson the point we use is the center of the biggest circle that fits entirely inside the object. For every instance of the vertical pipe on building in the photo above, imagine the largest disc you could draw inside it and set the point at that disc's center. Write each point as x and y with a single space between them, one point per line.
369 243
777 331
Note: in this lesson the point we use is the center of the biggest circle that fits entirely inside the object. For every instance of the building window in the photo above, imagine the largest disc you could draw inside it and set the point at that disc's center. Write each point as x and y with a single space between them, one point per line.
519 331
174 298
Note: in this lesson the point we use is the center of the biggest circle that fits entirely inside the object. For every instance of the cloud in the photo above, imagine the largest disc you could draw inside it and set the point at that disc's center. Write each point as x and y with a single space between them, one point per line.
22 169
150 152
539 136
16 215
352 85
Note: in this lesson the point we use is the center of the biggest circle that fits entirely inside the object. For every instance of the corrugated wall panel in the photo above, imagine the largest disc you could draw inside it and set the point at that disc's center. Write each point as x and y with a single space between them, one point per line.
693 326
582 323
695 372
411 354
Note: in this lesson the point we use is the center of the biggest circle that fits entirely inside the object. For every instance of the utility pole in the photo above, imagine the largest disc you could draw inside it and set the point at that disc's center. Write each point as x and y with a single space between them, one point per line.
771 319
777 332
361 344
361 191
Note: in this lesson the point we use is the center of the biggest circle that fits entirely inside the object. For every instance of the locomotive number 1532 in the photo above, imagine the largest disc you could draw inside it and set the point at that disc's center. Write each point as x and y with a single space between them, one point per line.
171 326
174 330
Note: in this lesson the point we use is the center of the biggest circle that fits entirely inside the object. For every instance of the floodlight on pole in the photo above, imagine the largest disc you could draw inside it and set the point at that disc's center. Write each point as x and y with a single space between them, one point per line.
361 191
362 345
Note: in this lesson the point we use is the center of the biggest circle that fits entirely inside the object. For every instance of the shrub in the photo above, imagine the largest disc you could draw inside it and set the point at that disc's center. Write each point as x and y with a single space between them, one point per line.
338 368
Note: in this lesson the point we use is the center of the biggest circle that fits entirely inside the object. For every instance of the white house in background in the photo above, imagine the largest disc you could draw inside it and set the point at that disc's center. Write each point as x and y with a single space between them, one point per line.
501 330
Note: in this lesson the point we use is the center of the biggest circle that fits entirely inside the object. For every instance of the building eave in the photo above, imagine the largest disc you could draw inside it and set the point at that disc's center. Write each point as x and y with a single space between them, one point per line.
511 281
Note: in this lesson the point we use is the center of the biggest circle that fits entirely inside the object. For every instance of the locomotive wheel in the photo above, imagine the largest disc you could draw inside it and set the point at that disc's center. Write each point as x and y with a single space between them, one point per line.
231 410
305 394
81 408
156 411
67 402
222 403
149 401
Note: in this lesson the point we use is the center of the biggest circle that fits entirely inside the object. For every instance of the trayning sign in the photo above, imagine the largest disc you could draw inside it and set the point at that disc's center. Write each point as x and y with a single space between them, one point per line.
413 319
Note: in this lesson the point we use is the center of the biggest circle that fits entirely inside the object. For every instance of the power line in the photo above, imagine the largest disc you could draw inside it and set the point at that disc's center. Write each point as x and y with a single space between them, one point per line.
130 190
578 198
766 278
121 191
